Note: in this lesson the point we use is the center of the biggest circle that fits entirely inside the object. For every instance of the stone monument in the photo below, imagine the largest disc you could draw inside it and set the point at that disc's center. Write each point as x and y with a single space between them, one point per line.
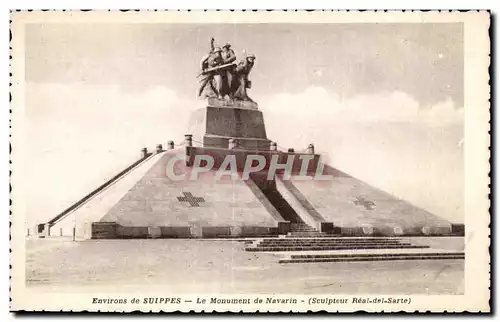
230 113
145 201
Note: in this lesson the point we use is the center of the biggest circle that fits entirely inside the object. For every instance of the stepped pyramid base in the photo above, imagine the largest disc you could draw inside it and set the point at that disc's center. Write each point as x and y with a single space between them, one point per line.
142 202
155 206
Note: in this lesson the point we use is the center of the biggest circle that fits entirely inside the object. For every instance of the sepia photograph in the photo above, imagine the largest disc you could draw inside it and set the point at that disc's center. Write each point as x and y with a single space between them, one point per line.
266 160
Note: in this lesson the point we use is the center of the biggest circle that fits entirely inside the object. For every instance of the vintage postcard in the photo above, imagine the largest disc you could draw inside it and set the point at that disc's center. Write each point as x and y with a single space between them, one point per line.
250 160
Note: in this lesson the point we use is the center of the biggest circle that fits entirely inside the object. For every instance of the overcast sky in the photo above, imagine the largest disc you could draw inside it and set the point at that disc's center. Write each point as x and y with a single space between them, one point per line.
383 102
422 60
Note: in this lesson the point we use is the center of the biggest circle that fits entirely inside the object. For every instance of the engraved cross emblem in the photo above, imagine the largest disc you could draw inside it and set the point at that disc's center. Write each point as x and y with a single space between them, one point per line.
193 201
361 201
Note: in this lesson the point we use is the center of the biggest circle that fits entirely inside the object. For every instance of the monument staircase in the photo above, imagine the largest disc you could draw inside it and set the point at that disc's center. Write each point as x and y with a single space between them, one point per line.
334 249
316 244
304 230
282 206
297 226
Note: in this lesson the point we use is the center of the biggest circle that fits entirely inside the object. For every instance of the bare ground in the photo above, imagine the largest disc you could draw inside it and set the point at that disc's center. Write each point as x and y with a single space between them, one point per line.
223 266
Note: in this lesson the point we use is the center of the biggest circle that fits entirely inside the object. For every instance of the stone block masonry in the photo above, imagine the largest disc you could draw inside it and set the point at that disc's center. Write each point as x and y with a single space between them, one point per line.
112 230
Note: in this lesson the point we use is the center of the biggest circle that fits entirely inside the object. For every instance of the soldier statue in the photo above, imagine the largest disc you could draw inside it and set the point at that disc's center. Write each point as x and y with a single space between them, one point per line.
242 82
212 75
221 77
228 57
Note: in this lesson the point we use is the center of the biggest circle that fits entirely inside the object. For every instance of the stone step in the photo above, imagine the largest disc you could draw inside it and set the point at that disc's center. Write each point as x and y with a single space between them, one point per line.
332 245
378 254
318 248
320 240
295 232
318 235
372 257
292 241
300 239
307 234
240 236
326 244
298 230
323 235
295 241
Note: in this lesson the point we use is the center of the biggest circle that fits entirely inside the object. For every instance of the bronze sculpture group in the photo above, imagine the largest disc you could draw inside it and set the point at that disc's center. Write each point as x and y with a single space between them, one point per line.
222 77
